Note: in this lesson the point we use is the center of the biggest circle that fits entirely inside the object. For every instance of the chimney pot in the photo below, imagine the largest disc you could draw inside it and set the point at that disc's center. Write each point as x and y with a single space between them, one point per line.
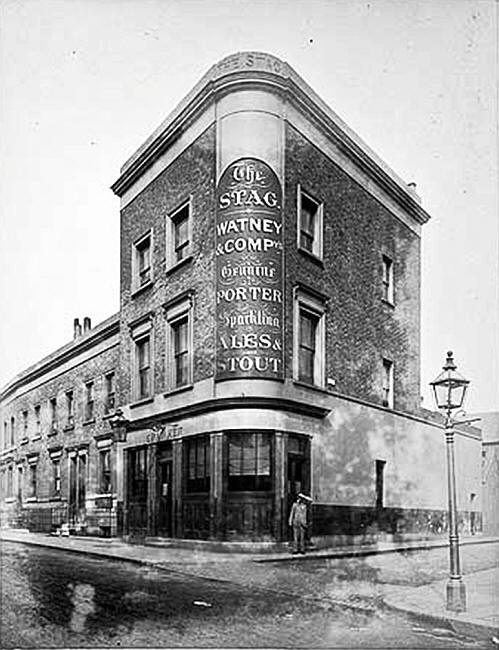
87 324
76 328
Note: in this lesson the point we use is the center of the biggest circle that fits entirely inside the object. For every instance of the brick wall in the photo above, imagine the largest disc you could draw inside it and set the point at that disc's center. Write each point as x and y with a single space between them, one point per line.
358 230
191 174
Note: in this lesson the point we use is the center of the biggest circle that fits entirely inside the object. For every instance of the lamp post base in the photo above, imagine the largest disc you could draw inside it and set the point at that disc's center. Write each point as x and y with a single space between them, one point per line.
456 595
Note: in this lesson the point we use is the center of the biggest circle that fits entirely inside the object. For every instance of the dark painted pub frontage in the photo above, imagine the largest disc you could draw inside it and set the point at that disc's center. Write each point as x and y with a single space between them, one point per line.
230 486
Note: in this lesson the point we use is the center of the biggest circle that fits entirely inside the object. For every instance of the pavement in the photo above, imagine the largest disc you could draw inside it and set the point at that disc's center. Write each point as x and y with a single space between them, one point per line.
427 601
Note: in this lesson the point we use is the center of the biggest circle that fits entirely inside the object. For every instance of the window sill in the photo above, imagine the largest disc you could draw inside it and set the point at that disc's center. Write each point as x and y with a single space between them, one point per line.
55 498
179 389
177 265
52 432
141 402
24 441
87 422
303 384
69 427
311 256
388 303
143 287
109 414
31 500
10 499
38 437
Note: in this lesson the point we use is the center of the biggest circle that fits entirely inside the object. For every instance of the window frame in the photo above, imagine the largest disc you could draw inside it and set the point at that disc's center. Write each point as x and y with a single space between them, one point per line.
139 283
56 477
140 331
53 414
316 307
200 482
70 415
110 396
317 237
33 480
89 400
387 385
176 313
171 223
13 431
243 481
38 420
387 279
105 471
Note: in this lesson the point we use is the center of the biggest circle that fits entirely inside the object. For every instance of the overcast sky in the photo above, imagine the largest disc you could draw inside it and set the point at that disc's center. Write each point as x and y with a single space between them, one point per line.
83 83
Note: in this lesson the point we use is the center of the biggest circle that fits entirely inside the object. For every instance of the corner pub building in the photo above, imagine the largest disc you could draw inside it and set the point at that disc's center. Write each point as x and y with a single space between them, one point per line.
267 343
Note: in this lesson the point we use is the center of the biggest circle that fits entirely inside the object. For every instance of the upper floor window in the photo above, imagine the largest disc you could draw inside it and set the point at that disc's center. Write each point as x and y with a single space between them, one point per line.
5 434
10 481
179 341
388 279
387 386
141 262
249 461
38 421
178 234
89 402
12 431
70 407
53 414
110 400
309 224
25 424
143 366
309 339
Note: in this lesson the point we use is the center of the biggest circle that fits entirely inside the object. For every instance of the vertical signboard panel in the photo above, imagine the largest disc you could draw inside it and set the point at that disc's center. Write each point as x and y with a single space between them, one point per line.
249 260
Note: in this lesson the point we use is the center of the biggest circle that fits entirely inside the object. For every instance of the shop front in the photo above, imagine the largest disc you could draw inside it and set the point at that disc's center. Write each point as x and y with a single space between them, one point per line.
230 485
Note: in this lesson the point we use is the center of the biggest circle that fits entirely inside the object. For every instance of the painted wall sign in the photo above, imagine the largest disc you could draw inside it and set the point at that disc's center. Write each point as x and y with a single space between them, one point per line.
249 289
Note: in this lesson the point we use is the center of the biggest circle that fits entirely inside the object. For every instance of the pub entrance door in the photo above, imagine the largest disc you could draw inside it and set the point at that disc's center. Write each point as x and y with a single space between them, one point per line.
298 462
164 490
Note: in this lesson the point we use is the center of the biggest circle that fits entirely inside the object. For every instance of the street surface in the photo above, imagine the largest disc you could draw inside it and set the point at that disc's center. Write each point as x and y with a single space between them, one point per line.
59 599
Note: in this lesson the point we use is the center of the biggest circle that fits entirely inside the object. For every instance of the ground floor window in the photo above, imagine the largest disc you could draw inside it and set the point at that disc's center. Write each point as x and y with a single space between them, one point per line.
56 478
105 471
198 464
137 467
32 480
249 456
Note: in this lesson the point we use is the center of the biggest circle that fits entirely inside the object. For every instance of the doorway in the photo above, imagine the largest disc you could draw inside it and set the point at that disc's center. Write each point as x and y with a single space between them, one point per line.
164 490
298 472
77 487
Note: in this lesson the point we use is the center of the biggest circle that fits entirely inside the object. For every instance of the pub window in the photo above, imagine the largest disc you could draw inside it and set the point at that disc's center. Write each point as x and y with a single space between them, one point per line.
309 224
309 339
249 462
89 403
198 464
138 473
105 471
110 401
38 422
178 234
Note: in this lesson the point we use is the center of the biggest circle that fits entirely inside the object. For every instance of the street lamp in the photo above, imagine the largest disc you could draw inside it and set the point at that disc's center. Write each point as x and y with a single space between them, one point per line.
449 389
118 424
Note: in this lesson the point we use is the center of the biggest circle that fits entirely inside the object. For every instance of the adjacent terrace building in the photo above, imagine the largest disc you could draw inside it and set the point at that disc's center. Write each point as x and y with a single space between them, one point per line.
268 339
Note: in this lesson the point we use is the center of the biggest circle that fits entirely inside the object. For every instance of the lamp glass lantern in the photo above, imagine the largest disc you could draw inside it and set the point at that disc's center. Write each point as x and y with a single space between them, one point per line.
450 387
118 424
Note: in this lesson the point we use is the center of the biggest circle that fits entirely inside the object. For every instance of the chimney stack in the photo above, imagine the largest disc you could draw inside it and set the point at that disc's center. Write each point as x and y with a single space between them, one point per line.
87 324
76 328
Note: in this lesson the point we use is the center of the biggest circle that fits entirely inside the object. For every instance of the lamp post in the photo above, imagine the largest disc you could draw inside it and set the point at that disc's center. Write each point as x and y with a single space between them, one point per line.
118 424
449 389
